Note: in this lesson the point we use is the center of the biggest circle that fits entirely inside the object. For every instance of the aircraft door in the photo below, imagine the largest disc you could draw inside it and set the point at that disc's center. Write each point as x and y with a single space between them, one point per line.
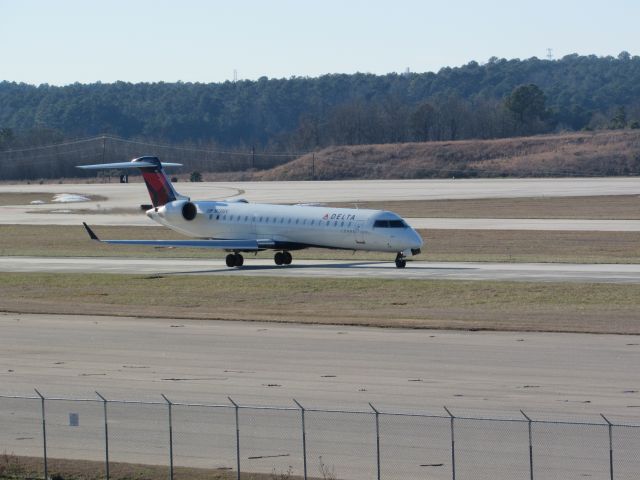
360 233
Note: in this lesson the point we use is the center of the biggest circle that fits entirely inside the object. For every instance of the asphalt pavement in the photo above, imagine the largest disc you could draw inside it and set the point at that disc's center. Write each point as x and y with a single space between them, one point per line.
418 270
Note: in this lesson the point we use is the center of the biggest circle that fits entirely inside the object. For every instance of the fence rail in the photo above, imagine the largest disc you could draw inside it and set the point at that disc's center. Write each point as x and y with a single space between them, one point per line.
296 441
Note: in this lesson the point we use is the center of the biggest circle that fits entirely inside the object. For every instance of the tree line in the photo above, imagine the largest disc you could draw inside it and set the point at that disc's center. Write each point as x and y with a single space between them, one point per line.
497 99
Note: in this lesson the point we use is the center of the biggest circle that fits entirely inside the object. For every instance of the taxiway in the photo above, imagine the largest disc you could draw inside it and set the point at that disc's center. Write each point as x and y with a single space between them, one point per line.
533 272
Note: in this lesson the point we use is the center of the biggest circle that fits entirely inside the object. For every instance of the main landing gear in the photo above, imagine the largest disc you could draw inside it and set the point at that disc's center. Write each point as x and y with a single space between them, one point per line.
234 260
401 261
283 258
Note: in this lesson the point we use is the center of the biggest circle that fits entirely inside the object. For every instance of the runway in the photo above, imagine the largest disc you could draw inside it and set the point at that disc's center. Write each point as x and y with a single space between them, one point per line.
131 196
417 270
120 195
321 366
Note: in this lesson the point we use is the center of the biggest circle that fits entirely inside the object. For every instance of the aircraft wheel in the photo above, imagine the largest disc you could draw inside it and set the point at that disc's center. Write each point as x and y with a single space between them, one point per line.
401 262
278 258
238 260
231 260
287 258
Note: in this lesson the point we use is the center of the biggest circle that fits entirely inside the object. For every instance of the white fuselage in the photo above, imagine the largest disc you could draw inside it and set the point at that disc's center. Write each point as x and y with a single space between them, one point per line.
293 226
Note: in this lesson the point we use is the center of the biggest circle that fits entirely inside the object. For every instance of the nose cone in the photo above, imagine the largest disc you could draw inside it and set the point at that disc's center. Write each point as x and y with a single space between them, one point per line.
411 240
416 240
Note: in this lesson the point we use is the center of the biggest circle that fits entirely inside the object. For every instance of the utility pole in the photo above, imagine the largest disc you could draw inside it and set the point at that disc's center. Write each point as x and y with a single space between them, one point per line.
104 148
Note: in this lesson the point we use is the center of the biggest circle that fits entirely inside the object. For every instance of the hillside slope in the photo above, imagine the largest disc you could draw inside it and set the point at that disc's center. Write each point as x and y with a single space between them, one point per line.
603 153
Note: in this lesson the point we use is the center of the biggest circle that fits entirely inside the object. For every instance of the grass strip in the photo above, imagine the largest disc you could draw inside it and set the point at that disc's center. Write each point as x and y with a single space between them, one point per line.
443 304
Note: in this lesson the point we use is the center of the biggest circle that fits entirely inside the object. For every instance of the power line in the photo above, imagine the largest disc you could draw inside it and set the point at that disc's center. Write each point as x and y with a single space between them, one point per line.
102 138
52 145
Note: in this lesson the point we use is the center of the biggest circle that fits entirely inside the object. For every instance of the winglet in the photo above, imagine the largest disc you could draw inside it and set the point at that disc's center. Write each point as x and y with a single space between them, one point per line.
90 232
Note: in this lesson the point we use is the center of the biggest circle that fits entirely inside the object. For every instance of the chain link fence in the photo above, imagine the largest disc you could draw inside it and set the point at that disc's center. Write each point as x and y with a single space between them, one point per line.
295 442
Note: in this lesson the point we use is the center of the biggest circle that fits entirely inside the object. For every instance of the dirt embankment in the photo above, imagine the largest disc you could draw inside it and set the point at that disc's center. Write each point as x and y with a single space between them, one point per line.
606 153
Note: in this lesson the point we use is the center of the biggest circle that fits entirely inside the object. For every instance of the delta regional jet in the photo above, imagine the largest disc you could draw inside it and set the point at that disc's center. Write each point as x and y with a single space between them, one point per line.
238 226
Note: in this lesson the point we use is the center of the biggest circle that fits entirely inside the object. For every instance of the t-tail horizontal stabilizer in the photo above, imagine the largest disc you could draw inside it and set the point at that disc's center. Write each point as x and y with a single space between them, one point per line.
160 189
133 164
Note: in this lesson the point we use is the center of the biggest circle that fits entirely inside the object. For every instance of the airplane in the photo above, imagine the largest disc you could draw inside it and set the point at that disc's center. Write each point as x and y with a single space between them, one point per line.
238 226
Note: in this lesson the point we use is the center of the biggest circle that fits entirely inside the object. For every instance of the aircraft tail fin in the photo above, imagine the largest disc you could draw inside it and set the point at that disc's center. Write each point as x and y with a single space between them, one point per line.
158 184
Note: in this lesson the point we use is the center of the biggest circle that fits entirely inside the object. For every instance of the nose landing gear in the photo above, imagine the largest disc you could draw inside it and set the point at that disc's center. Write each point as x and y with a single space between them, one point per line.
401 261
234 260
283 258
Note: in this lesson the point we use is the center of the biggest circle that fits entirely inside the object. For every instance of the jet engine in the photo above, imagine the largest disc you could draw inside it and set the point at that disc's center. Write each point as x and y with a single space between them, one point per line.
189 211
178 210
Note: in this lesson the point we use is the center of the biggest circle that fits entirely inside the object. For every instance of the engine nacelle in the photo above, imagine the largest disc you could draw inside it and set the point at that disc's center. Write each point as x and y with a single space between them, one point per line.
178 210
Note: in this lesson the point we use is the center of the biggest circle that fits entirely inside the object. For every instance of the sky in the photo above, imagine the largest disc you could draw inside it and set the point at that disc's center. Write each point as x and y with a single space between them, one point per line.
65 41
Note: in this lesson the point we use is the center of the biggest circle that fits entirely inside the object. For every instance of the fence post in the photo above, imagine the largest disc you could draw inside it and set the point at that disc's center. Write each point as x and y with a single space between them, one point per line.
44 435
237 408
304 439
377 436
106 434
610 445
529 421
169 405
453 444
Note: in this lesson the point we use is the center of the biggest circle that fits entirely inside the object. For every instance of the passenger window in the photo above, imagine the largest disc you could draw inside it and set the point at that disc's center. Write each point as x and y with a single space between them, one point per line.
260 219
297 220
230 217
224 217
313 222
342 224
282 220
217 217
246 218
304 222
289 221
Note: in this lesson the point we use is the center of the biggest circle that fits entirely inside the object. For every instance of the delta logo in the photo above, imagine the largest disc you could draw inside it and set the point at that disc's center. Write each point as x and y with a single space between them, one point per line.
339 216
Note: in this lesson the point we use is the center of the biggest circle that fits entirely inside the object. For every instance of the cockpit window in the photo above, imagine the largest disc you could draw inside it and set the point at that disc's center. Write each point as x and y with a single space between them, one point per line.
389 224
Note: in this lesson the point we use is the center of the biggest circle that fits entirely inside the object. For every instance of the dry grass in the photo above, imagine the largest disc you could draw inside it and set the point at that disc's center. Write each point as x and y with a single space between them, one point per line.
580 154
602 153
610 207
23 468
8 198
448 304
441 245
532 246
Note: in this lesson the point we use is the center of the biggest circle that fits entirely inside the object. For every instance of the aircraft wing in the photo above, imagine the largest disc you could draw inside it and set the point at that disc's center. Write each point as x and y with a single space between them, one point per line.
244 245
